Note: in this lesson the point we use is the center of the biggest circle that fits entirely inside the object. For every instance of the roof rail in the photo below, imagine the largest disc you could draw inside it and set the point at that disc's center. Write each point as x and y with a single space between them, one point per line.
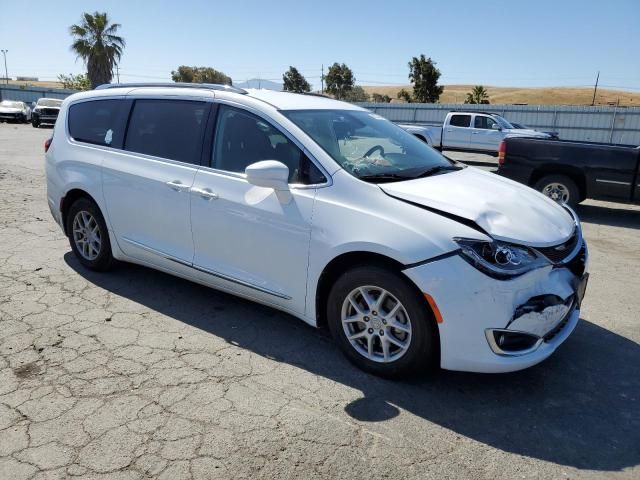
207 86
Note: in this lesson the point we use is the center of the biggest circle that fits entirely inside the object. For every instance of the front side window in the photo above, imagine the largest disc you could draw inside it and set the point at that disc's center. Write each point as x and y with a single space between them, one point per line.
242 138
369 146
484 122
99 122
170 129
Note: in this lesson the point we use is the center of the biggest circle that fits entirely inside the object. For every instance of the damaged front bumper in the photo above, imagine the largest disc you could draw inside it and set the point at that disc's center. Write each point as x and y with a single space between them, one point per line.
492 325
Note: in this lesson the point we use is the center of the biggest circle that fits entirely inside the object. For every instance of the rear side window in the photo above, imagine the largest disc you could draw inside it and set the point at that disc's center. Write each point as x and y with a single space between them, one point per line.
99 122
169 129
460 120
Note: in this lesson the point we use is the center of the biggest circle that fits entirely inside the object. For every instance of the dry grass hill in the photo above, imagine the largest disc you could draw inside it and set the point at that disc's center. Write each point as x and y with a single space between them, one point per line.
530 96
497 95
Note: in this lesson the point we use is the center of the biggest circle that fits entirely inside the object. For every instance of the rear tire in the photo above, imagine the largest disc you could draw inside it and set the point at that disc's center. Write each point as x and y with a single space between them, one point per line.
411 348
88 235
559 188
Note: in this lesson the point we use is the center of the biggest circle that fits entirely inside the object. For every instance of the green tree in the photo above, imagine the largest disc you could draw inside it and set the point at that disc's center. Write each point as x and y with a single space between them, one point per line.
424 75
75 82
187 74
294 81
96 43
339 80
356 94
379 98
404 95
477 95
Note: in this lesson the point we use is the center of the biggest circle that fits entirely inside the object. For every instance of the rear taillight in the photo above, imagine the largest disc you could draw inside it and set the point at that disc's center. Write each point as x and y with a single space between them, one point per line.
47 144
502 150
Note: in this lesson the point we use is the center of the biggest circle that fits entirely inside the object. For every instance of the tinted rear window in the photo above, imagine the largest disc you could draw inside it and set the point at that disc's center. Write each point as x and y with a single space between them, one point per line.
460 120
99 122
169 129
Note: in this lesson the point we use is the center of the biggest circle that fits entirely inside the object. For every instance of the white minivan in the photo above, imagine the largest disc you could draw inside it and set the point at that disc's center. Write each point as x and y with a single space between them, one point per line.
326 211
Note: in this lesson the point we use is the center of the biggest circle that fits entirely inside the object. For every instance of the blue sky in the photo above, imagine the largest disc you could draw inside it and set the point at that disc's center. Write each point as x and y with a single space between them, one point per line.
493 42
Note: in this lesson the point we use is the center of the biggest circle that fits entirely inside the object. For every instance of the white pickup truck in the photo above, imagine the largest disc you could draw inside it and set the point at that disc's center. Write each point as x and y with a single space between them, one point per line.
470 131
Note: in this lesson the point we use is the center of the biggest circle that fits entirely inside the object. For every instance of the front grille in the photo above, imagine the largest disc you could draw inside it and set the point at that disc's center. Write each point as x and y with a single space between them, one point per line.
558 253
49 111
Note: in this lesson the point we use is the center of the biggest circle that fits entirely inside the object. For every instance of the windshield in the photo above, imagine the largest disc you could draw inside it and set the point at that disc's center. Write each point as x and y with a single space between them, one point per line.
368 146
49 102
10 104
503 122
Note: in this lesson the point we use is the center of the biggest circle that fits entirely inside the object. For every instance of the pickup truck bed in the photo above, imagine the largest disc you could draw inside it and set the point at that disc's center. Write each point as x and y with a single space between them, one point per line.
577 170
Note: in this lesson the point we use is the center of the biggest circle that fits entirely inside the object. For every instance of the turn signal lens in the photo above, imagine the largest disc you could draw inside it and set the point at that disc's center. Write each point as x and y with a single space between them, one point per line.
434 307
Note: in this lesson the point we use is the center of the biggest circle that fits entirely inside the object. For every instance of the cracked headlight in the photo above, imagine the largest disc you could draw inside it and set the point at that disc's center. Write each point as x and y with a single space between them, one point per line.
500 259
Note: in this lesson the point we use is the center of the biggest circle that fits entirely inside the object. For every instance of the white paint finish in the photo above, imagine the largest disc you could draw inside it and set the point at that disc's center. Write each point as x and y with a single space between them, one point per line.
255 241
254 234
298 101
505 209
487 303
467 138
143 207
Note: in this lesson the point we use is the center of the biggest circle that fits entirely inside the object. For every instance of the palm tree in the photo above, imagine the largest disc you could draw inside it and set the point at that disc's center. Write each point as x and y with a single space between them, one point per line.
477 95
96 42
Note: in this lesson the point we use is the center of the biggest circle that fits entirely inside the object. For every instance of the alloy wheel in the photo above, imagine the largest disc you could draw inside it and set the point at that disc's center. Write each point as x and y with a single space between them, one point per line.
86 235
376 324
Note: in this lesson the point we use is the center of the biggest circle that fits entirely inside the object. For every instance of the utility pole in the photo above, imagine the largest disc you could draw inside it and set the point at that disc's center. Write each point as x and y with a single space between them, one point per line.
322 80
595 89
6 72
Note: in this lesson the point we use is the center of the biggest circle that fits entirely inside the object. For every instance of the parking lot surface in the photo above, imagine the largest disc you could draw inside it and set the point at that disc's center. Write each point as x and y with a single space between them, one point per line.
136 374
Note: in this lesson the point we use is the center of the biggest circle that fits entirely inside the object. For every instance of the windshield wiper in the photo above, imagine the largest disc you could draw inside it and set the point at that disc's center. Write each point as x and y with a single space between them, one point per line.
383 177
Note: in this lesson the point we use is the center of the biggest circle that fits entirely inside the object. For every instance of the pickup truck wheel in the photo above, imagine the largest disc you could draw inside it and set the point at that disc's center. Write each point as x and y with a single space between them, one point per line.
381 323
559 188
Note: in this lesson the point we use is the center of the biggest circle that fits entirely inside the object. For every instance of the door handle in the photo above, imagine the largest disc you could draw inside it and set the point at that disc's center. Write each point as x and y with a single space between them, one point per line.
475 133
177 185
205 193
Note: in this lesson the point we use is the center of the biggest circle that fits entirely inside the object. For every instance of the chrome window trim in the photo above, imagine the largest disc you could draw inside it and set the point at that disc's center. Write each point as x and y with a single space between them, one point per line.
286 133
213 273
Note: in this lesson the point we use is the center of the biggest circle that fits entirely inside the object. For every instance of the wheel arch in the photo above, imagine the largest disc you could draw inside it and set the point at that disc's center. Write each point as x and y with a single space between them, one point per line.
69 199
340 264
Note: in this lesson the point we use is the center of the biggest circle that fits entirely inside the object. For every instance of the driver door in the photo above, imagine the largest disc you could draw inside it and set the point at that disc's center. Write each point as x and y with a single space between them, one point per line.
484 135
250 239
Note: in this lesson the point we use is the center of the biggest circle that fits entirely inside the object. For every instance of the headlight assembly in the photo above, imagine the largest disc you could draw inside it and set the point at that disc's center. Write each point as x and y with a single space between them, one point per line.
500 259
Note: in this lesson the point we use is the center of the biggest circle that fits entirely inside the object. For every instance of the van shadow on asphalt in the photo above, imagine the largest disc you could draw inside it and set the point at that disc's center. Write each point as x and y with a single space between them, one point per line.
578 408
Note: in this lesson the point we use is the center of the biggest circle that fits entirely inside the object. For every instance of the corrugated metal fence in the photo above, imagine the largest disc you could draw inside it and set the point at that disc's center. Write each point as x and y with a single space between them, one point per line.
593 124
30 94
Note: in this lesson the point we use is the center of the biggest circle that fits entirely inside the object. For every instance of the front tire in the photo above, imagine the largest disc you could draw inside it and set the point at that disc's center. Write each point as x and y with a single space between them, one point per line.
35 123
88 235
559 188
381 323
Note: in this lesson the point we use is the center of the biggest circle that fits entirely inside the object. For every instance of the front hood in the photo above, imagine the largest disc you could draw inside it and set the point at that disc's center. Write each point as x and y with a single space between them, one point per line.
504 209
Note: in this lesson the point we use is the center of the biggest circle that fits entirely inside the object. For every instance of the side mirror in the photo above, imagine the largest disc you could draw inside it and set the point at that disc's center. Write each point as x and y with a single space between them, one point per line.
495 126
268 174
